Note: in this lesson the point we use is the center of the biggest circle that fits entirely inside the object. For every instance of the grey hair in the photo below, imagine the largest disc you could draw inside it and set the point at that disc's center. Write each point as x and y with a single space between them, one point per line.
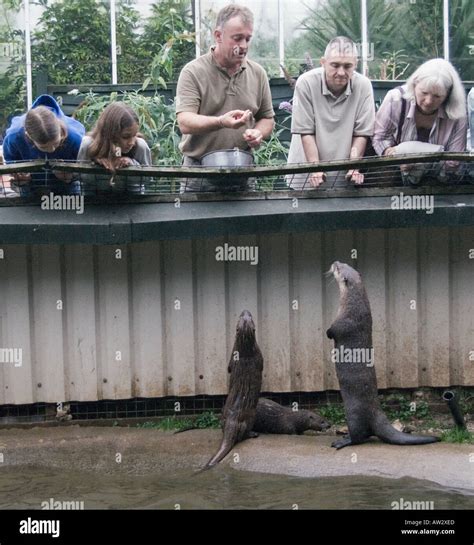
342 47
440 74
234 10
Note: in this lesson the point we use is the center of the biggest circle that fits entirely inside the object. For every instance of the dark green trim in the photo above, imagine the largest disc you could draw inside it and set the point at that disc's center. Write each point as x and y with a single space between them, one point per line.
131 222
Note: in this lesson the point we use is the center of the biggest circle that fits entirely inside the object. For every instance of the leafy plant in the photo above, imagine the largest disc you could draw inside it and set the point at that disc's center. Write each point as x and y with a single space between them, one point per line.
407 410
208 420
333 413
12 78
457 435
416 26
166 424
170 29
205 420
72 40
393 65
273 151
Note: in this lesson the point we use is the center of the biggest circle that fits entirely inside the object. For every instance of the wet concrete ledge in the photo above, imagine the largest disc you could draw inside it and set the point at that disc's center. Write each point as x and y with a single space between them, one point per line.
148 451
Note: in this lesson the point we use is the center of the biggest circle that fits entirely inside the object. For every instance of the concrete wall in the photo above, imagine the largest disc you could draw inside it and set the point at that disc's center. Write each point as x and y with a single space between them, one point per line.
120 335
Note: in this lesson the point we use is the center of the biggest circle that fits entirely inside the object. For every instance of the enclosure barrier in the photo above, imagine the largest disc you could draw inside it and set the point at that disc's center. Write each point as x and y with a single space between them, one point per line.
379 172
91 299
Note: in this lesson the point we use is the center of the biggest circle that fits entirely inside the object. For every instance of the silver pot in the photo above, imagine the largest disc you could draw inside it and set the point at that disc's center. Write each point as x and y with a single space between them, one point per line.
227 158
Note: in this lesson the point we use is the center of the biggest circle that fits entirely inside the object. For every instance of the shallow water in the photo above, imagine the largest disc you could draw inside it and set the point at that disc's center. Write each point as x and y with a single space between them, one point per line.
220 488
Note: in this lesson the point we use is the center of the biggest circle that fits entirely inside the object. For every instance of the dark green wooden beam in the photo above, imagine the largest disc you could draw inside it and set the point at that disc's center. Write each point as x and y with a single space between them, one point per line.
127 222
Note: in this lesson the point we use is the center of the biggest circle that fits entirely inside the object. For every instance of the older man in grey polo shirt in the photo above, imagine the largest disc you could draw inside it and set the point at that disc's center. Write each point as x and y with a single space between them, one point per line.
333 113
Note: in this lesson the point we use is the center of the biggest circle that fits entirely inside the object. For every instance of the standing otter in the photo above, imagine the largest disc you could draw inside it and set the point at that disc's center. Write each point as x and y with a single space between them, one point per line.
274 418
245 368
352 334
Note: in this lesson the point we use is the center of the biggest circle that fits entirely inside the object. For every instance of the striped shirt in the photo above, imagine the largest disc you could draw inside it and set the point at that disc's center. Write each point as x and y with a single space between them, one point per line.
450 133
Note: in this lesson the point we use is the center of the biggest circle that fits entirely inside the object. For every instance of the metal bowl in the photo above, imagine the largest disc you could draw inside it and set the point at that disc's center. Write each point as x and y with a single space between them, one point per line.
227 158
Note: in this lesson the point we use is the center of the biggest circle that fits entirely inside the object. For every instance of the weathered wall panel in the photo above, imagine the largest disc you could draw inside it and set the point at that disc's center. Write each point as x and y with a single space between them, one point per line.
307 324
16 382
158 319
47 308
146 320
179 318
80 333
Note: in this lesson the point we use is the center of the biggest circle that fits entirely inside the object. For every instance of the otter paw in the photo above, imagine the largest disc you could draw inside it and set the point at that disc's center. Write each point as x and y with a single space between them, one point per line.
341 443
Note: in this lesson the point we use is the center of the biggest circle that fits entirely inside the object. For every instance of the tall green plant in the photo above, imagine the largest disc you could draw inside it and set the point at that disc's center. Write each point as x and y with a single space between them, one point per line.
343 18
402 35
462 37
169 34
72 40
12 64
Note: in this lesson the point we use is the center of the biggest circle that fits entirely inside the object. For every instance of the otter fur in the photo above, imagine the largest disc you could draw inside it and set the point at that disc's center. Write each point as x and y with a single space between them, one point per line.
274 418
240 409
352 329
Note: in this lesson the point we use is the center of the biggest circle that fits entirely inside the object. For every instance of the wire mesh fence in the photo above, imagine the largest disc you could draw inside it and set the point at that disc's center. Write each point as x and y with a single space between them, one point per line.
143 408
31 179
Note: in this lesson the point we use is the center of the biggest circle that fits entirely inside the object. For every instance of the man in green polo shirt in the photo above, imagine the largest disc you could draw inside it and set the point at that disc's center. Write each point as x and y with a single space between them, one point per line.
223 99
333 115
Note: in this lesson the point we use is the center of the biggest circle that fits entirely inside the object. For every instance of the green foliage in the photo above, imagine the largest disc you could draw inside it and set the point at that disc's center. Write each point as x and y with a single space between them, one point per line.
12 75
168 33
394 65
461 37
129 67
167 424
204 420
407 410
157 121
208 420
333 413
273 151
72 42
466 400
336 18
402 35
264 50
343 18
457 435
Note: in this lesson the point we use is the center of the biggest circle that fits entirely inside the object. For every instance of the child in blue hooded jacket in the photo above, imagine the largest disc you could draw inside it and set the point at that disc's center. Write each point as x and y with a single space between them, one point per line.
44 132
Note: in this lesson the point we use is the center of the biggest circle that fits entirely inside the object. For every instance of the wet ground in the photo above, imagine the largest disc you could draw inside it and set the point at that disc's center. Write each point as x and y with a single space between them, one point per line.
146 468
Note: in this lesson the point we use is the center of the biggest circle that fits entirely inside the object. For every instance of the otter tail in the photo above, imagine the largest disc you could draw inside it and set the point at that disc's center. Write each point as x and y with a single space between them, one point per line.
228 442
387 433
186 429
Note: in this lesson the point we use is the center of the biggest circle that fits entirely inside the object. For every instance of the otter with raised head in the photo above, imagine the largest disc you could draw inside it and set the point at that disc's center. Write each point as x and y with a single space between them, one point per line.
240 409
352 334
274 418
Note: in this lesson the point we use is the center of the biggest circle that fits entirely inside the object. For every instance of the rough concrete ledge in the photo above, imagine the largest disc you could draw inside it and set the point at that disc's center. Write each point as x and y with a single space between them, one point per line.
146 451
